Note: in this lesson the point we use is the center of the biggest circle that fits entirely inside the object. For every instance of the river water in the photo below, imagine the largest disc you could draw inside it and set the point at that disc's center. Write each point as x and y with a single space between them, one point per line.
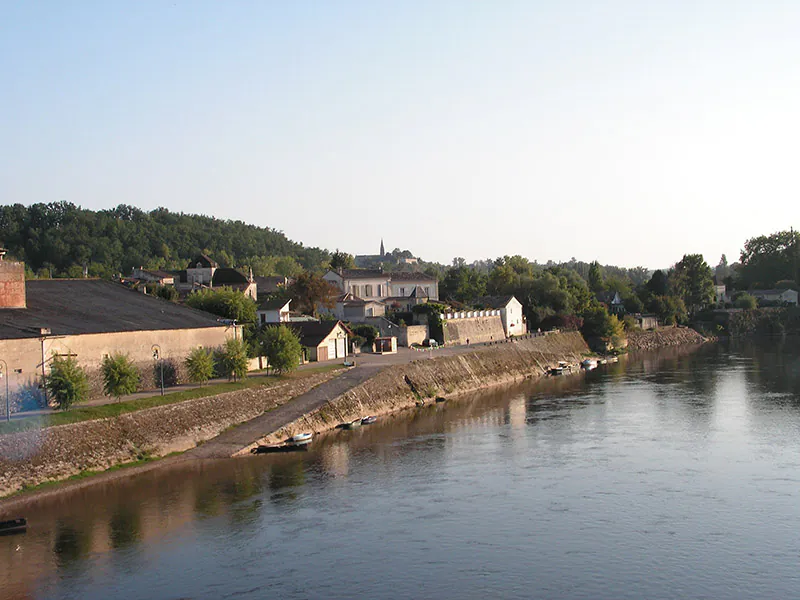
668 475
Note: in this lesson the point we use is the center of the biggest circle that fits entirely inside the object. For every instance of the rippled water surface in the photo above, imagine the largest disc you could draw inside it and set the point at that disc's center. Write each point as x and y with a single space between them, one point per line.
674 475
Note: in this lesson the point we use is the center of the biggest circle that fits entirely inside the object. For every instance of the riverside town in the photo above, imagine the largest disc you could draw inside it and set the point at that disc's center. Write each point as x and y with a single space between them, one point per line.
399 301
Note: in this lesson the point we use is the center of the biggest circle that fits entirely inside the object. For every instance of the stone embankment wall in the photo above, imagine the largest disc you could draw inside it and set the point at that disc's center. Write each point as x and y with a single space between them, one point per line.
476 329
403 386
663 337
32 457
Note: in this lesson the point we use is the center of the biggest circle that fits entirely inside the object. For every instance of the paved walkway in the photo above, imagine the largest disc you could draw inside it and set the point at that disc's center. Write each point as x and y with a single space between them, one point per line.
228 443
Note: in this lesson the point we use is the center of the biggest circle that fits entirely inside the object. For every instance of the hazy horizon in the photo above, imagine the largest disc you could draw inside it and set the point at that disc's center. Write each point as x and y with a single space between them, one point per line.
623 132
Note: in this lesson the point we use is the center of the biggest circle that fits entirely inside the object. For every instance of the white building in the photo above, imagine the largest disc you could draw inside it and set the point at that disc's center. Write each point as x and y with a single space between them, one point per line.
273 311
510 313
374 284
784 296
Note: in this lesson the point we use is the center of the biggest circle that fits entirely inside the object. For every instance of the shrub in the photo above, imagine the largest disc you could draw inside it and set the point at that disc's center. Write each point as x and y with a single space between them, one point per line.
120 375
281 346
67 382
200 365
745 301
233 361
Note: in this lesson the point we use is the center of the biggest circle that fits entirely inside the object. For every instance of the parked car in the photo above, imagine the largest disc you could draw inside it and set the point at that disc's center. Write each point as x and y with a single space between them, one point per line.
430 343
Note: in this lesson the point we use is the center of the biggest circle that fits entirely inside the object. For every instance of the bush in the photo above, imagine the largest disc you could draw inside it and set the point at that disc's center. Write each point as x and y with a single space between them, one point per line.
233 361
281 346
745 301
367 332
67 382
200 365
120 375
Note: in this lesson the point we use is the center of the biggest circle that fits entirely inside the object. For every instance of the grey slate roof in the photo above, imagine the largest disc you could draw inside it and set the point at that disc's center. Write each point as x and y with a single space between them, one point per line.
494 302
410 276
78 306
273 303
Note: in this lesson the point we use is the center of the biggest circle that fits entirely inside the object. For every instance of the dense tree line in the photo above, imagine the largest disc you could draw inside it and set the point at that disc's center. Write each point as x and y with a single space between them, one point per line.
61 239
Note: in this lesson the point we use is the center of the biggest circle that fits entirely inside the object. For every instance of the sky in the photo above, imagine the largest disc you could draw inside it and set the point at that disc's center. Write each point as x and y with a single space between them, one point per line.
629 132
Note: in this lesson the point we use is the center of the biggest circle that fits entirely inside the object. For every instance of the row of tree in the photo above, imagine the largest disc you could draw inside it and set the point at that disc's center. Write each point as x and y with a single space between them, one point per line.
67 382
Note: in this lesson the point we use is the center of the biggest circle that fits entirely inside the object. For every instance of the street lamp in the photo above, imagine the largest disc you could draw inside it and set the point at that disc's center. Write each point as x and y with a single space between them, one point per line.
4 373
157 357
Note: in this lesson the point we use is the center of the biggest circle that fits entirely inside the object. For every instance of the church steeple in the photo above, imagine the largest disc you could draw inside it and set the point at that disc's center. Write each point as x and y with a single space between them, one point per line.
383 252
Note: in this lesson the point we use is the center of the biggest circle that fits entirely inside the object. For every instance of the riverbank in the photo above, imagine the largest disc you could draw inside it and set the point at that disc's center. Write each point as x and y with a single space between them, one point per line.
663 337
423 381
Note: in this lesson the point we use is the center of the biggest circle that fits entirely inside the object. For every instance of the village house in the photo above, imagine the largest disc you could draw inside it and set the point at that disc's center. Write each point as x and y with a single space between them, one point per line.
274 310
354 309
613 301
204 272
323 340
646 322
779 297
272 284
153 276
511 313
375 284
89 319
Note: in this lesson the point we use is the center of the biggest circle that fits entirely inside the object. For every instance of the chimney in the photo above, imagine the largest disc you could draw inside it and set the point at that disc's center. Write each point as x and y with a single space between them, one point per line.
12 283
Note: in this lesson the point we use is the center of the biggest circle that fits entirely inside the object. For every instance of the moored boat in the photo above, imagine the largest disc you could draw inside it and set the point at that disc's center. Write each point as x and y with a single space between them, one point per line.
13 526
368 420
589 364
352 424
300 439
279 449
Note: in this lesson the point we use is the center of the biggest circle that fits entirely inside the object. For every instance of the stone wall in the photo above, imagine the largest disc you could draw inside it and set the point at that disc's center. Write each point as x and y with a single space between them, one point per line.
476 329
403 386
663 337
32 457
412 334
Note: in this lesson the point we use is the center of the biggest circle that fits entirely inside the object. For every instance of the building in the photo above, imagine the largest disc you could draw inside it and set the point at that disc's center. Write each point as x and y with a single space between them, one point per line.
323 340
153 276
376 284
204 272
275 310
354 309
407 303
510 313
613 301
236 280
720 294
779 297
370 260
270 285
646 321
89 319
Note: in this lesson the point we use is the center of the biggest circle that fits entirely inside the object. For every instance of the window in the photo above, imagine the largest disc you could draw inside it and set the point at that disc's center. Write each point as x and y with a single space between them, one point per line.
379 290
354 289
427 291
368 291
402 291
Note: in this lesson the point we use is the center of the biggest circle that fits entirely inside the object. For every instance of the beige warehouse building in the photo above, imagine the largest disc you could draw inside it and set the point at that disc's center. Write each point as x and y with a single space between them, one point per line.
88 319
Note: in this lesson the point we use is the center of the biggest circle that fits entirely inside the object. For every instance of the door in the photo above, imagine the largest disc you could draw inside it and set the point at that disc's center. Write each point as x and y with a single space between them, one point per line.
322 353
341 348
331 349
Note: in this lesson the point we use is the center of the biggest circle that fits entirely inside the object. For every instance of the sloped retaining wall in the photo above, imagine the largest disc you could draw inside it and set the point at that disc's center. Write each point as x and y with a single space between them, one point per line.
32 457
663 337
403 386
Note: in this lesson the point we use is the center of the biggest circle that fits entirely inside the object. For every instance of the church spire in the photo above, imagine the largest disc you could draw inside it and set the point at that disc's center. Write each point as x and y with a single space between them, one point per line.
383 252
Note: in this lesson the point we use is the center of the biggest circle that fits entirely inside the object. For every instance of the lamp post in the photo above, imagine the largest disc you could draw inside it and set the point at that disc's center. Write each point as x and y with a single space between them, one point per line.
157 357
4 374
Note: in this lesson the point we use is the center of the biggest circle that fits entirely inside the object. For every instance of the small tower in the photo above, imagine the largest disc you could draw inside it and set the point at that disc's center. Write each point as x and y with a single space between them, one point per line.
383 252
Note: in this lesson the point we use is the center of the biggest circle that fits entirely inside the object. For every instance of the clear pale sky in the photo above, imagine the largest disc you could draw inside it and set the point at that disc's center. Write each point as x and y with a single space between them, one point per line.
630 132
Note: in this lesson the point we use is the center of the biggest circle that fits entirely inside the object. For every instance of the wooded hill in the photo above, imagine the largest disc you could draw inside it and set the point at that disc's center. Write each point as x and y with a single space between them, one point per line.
59 239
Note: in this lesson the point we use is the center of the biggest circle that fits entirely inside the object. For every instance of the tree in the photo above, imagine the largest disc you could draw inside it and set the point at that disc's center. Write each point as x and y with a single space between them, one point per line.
281 346
120 375
595 278
224 302
67 383
200 365
233 360
342 260
692 282
770 258
745 301
597 322
658 284
368 332
309 290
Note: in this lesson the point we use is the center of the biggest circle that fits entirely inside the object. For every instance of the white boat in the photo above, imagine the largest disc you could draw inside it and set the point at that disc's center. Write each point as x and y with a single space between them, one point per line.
300 439
589 364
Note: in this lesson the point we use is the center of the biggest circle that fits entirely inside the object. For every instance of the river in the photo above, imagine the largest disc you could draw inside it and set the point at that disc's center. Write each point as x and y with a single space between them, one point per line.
667 475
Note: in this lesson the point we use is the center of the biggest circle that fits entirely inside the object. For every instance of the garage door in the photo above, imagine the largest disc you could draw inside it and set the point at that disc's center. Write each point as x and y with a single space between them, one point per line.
341 351
322 353
331 349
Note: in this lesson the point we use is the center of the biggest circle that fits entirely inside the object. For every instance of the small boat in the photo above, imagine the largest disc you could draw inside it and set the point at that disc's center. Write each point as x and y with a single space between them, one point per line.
279 449
352 424
300 439
556 371
13 526
368 420
589 363
613 359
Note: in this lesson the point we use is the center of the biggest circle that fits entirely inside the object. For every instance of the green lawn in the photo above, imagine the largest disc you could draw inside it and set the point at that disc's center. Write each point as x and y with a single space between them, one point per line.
114 409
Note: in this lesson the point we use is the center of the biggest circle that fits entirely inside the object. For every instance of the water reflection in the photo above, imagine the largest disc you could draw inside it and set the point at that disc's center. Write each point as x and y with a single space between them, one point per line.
709 394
